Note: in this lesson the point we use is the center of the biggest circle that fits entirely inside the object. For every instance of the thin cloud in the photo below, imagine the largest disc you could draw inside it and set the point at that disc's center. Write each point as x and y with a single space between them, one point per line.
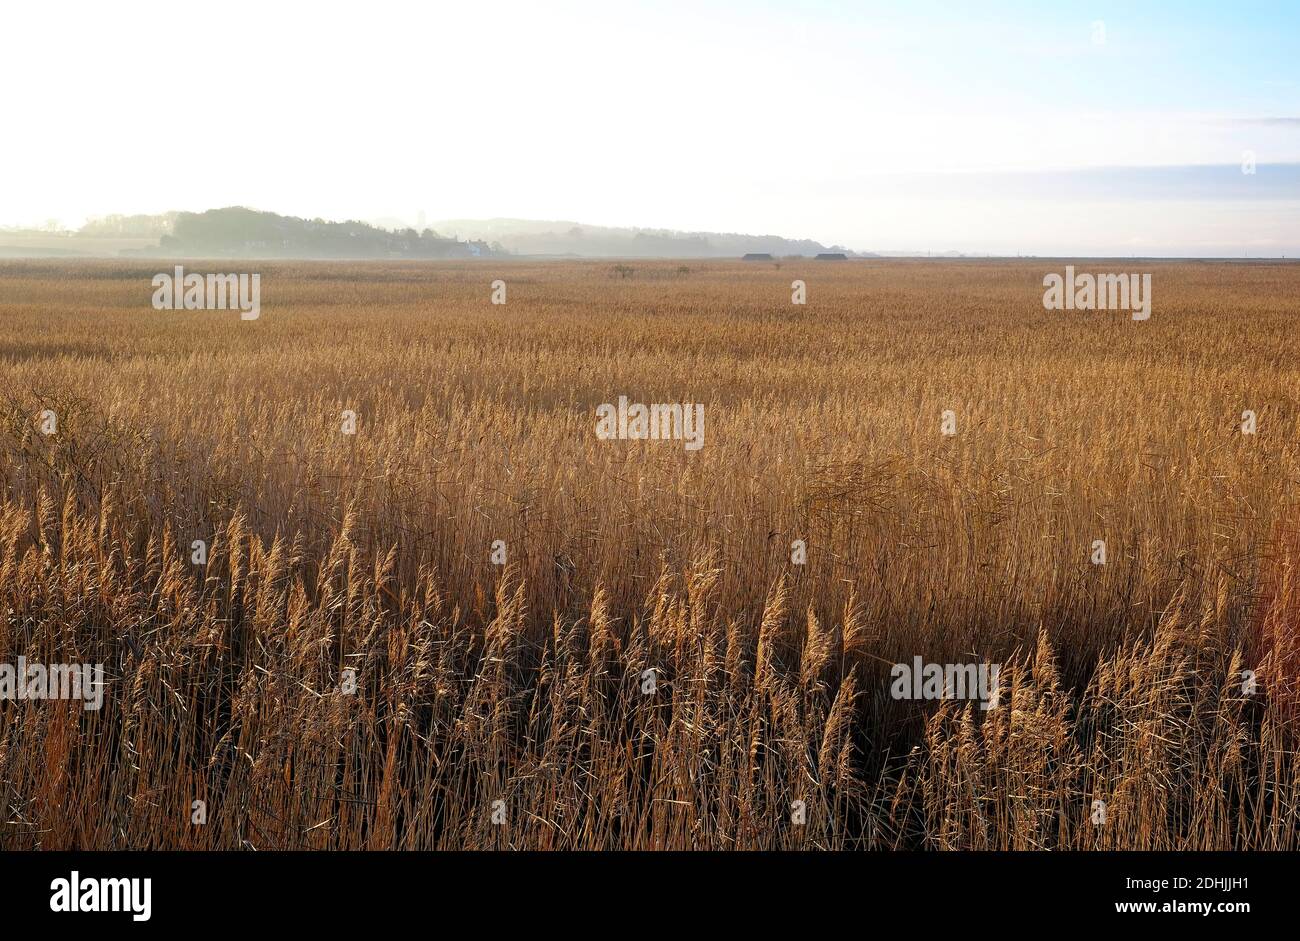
1187 183
1262 122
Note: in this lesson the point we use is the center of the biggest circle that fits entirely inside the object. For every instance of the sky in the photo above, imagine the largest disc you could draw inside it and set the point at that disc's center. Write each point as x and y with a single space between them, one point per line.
1000 127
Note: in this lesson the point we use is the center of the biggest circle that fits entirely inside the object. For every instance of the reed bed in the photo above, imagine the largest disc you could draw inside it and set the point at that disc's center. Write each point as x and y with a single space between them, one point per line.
350 668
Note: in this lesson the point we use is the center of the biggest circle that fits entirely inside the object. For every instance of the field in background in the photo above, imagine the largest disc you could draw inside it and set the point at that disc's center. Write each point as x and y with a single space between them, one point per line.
503 706
24 245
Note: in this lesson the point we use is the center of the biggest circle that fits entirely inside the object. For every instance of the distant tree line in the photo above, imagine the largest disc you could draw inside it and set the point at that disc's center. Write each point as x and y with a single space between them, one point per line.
237 231
129 227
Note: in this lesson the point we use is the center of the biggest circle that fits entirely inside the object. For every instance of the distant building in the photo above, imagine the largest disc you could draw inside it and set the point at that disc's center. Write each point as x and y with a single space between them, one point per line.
757 256
830 256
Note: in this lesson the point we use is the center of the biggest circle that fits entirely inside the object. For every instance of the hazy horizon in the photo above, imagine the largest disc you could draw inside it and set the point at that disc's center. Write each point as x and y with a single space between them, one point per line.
1087 129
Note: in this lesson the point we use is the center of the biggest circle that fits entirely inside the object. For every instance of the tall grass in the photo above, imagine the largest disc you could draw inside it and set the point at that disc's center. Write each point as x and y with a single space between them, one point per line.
519 692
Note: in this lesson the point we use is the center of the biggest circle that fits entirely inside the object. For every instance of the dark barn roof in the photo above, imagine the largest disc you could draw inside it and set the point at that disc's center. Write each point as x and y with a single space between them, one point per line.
831 256
757 256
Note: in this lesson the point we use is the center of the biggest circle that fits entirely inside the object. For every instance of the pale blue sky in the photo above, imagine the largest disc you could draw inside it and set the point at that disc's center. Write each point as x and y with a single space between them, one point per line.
998 127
